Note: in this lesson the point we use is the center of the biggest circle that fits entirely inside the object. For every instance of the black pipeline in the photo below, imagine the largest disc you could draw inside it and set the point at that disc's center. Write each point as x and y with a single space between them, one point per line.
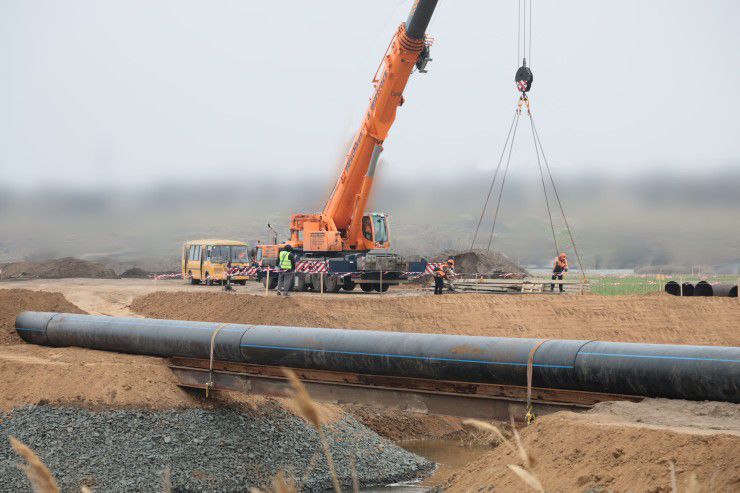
652 370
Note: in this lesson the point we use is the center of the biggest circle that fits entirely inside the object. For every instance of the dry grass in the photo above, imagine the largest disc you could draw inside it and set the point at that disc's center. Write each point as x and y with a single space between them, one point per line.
527 477
491 432
524 473
38 474
309 411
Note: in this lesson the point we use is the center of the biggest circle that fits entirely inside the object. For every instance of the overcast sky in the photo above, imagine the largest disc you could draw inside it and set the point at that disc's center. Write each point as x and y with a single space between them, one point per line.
138 91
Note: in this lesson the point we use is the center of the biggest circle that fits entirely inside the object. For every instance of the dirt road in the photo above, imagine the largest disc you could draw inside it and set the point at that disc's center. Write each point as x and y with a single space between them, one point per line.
102 296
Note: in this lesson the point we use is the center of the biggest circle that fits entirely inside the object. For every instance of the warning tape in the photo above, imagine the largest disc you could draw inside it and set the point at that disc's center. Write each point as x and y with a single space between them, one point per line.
310 267
173 275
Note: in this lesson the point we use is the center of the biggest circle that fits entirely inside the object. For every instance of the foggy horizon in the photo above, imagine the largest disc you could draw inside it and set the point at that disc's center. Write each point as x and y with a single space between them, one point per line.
128 127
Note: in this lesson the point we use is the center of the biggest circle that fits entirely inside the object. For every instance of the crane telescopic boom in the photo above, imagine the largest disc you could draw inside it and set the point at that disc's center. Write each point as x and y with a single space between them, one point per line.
343 225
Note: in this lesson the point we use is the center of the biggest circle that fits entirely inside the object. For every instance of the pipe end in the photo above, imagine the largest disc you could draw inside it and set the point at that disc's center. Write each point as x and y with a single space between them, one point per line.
31 326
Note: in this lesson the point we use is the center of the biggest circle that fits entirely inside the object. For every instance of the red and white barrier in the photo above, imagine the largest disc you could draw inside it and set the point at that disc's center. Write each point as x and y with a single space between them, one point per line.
312 266
246 270
174 275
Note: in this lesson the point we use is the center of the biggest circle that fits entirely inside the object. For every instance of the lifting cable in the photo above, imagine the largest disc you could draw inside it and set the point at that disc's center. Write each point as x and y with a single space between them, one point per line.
493 181
524 79
544 188
557 197
503 181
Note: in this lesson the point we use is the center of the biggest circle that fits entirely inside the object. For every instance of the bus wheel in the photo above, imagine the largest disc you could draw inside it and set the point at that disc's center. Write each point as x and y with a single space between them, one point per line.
367 287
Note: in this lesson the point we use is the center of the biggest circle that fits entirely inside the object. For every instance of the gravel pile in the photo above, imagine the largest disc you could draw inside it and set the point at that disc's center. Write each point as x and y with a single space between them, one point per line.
221 450
490 264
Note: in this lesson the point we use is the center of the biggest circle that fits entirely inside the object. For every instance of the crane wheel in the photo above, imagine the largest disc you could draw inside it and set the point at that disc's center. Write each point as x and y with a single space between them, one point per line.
348 284
331 284
273 281
367 288
300 283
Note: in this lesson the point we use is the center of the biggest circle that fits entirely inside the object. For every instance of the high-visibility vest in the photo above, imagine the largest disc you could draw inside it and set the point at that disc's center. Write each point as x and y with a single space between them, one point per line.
285 262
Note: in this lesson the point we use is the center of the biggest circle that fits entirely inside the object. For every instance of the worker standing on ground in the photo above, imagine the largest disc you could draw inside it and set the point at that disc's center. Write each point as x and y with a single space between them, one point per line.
449 273
559 268
286 263
439 280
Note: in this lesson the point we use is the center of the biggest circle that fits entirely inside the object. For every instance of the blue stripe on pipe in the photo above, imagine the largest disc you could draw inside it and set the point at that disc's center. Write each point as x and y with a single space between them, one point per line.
655 356
30 330
404 356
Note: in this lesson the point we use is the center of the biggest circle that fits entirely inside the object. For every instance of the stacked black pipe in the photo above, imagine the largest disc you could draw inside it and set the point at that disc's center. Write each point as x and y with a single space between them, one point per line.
702 288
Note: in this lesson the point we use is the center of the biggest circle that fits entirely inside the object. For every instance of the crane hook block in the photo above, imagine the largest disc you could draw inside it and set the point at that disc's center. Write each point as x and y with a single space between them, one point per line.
523 79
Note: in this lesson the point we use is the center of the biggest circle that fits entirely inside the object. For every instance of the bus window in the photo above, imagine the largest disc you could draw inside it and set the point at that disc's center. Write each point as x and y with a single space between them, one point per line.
220 254
239 253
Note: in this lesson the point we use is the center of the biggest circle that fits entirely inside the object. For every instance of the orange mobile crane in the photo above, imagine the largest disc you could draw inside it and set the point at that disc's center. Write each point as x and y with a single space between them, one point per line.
343 234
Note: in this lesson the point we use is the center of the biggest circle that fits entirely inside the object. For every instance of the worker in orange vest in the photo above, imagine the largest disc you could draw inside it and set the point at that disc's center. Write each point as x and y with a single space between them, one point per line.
449 273
559 268
439 280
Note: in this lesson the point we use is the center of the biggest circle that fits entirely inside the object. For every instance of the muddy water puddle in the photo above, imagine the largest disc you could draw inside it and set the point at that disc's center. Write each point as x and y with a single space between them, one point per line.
450 456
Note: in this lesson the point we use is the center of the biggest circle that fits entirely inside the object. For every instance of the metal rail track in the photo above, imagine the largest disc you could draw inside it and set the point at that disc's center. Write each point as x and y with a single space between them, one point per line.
442 397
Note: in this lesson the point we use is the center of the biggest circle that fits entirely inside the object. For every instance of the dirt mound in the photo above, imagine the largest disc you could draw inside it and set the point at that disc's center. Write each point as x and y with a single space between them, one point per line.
32 374
55 269
658 319
398 425
135 273
14 301
578 455
490 264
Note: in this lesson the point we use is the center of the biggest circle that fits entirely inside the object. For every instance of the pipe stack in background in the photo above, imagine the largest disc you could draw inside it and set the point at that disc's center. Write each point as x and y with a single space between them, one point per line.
702 288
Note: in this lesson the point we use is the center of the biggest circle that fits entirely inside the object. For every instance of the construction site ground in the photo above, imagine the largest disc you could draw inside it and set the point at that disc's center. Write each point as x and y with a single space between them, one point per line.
614 447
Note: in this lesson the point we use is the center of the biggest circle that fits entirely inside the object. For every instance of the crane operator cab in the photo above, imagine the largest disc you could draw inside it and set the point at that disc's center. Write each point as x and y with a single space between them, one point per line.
375 230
